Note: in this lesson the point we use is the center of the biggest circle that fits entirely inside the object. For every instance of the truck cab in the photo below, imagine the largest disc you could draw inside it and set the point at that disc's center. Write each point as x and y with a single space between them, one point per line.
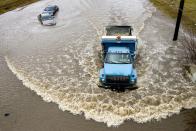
119 52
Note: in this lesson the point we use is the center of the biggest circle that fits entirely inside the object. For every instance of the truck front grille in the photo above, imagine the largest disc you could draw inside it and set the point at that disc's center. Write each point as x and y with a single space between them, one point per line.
117 79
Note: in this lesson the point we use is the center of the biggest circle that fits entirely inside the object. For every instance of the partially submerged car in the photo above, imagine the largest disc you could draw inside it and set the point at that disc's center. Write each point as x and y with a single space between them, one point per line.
47 19
47 16
51 9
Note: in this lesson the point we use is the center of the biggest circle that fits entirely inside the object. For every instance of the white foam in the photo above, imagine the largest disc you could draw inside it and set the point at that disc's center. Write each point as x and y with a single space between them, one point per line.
141 110
68 75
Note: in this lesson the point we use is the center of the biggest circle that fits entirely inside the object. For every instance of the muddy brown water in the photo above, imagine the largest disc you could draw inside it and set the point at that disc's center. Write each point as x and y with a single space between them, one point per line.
60 63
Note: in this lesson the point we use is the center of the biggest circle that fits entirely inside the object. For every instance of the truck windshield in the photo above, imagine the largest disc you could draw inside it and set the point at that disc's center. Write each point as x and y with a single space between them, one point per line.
118 58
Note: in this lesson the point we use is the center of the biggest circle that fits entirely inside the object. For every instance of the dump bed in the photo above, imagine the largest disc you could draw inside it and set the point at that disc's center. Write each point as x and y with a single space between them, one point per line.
118 30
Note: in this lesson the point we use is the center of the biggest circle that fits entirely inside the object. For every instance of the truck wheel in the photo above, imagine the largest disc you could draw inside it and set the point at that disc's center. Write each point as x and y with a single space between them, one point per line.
100 85
135 86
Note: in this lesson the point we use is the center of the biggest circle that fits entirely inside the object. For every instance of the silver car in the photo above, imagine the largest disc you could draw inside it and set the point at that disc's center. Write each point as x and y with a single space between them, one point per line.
47 19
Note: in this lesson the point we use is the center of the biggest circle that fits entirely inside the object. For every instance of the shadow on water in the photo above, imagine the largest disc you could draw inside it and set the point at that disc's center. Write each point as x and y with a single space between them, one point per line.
120 89
190 120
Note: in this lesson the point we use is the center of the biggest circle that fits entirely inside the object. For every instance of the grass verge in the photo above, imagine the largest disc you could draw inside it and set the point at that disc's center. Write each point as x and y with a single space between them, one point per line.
170 7
7 5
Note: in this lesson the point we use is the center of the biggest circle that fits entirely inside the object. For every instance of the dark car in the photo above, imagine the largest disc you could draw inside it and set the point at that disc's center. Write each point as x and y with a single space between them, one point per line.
51 9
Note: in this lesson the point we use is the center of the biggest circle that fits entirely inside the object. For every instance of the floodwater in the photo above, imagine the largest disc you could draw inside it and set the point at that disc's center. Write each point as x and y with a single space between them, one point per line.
61 63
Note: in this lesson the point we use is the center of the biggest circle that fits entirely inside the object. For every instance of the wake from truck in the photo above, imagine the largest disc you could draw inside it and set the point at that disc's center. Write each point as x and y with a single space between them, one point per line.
61 64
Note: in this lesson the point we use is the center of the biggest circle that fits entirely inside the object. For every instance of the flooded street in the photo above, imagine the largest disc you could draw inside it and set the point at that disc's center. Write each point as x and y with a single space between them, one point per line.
61 63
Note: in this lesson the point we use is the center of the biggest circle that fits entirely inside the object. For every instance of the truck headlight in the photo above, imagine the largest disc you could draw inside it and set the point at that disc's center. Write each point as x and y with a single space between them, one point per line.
102 79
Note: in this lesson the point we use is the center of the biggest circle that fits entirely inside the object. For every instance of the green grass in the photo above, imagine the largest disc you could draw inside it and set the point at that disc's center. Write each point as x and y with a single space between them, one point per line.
7 5
170 7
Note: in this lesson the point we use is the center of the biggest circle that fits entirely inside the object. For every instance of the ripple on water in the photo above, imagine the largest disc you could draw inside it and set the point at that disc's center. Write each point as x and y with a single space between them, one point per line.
68 74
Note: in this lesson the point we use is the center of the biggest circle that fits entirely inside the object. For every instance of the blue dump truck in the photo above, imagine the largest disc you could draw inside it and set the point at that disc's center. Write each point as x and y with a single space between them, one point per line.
119 53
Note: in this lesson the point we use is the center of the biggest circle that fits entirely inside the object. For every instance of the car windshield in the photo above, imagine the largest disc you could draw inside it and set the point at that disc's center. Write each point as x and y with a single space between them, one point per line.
49 8
47 17
118 58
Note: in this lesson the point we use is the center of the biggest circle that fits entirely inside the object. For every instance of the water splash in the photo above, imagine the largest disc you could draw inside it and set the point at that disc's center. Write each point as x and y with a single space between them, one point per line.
64 69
